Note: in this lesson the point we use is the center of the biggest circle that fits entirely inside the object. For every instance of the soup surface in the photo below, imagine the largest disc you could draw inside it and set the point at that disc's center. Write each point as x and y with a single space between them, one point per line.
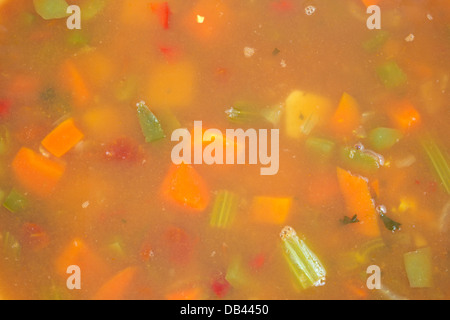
121 177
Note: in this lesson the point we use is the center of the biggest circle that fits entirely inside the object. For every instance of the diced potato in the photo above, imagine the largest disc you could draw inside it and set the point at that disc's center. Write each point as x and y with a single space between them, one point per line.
103 122
304 111
172 85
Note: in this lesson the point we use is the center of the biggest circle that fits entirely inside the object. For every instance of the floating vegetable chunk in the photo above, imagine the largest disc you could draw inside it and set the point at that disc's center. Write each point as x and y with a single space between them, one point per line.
151 128
274 210
37 173
51 9
304 111
63 138
418 268
358 200
304 264
224 209
347 116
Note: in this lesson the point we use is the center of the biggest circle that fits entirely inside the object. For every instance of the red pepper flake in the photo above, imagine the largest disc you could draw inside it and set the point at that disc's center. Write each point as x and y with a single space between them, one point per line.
282 5
5 107
163 12
34 236
122 149
220 286
258 261
170 53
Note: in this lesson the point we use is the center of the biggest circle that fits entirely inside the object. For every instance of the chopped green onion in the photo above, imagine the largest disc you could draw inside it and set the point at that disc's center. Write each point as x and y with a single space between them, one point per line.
15 201
376 41
391 75
418 268
224 209
384 138
51 9
303 263
10 246
438 159
150 125
322 148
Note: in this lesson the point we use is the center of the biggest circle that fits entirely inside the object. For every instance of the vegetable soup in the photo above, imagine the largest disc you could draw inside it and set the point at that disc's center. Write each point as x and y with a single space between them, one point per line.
224 149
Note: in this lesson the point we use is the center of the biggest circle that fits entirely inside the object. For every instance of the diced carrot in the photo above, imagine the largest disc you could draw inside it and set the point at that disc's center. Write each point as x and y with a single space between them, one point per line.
369 3
163 12
185 187
185 294
75 83
118 286
80 254
346 117
375 186
63 138
356 193
37 173
404 115
271 209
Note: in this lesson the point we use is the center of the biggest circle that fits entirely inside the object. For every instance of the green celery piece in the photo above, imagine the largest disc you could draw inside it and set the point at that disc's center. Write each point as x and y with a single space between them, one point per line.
10 246
15 201
391 75
358 160
236 274
304 264
322 148
150 125
419 267
375 43
272 114
5 140
383 138
224 209
51 9
438 159
241 112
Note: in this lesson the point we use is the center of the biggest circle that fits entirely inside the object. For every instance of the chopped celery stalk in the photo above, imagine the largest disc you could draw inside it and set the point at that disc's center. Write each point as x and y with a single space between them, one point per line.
224 209
116 249
10 246
438 159
51 9
5 140
391 75
127 88
304 264
150 125
15 201
272 114
240 113
376 41
236 274
384 138
359 160
320 147
418 268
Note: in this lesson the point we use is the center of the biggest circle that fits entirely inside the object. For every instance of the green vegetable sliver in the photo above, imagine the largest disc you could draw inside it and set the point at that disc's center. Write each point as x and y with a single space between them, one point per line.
418 268
391 75
15 201
224 209
438 160
150 125
51 9
304 264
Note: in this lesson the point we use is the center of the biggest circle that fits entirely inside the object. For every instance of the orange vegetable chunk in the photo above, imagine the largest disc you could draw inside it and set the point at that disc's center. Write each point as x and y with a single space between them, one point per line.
63 138
36 173
271 209
184 186
118 286
358 200
347 116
